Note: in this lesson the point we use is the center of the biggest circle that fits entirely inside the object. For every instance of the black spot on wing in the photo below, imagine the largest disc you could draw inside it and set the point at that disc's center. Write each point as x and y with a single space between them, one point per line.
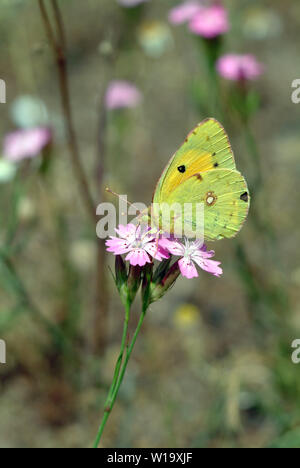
181 169
245 197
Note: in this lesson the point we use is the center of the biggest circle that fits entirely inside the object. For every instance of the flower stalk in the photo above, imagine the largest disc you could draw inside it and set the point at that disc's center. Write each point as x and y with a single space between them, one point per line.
141 248
116 383
59 49
57 41
120 369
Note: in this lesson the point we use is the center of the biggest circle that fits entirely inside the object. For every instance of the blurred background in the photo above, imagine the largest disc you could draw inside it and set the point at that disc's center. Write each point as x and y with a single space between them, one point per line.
212 366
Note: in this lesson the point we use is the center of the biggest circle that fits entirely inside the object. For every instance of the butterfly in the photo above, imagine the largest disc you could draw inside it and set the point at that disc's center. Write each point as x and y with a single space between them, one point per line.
203 171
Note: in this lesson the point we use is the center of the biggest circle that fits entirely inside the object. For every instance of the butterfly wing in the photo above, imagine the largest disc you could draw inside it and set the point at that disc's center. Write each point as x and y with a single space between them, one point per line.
206 148
225 197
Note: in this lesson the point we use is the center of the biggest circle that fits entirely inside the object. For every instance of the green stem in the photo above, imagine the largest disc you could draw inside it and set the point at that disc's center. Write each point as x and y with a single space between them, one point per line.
212 52
119 376
58 46
116 373
120 358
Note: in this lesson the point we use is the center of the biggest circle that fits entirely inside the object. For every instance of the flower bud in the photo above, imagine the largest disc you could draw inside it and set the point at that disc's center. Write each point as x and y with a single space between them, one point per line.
146 285
121 278
121 271
134 281
158 290
161 270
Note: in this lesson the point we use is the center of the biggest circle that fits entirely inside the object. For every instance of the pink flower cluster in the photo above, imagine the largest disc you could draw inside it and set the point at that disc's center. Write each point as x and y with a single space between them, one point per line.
122 94
208 22
28 143
141 245
239 67
184 12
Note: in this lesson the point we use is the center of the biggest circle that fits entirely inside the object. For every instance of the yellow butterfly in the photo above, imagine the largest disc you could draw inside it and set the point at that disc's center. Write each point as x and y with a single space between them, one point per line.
203 171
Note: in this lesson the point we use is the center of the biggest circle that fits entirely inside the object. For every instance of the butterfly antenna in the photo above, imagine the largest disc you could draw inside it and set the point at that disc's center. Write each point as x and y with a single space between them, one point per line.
121 198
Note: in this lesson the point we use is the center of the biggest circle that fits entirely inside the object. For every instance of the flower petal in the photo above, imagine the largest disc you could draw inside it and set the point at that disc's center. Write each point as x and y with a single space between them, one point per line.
125 231
117 246
156 251
138 257
204 253
173 246
211 266
187 268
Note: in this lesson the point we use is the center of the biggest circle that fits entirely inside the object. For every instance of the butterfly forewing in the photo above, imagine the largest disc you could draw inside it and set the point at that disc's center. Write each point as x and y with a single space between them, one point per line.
206 148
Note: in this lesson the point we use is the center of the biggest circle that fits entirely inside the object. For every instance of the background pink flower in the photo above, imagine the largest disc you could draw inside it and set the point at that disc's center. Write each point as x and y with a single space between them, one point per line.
239 67
122 94
23 144
210 22
184 12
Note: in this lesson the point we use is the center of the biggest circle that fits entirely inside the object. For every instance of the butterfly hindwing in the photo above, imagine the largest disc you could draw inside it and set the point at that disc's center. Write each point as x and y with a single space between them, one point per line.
206 148
225 197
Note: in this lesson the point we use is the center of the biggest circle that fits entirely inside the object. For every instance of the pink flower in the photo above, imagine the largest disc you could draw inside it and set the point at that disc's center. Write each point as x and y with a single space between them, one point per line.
28 143
122 94
192 252
210 22
239 67
131 3
138 243
184 12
